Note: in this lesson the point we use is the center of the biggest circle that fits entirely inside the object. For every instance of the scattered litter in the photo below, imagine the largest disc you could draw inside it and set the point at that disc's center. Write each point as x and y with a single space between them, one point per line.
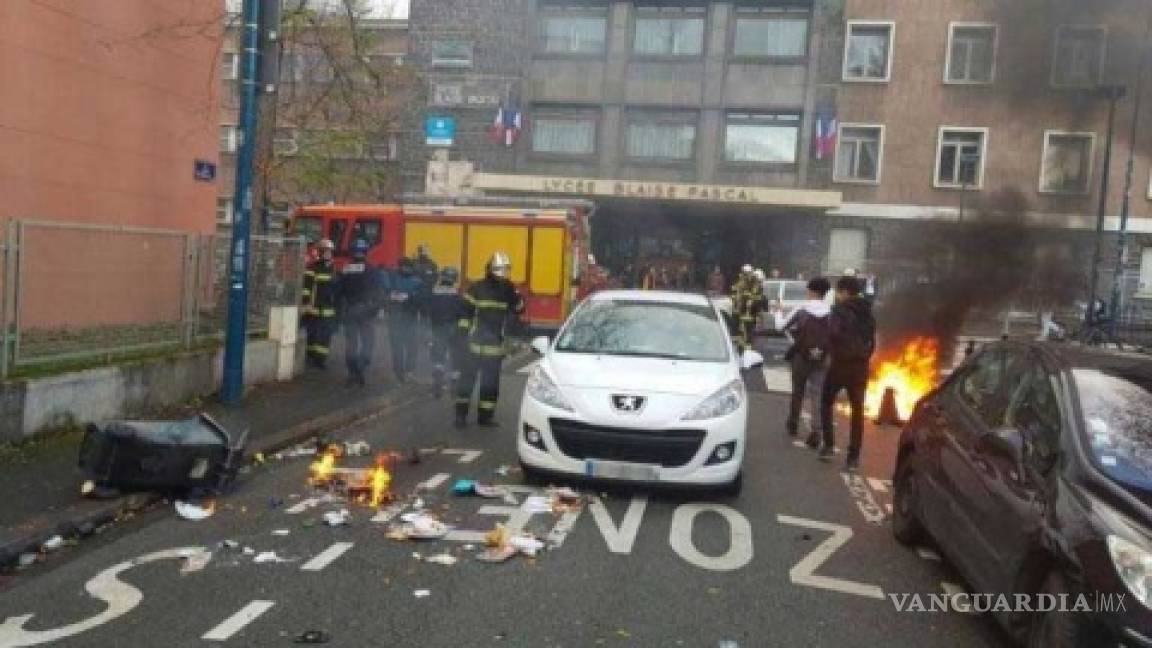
504 470
412 517
564 493
87 487
53 543
464 487
356 448
496 554
337 518
526 544
193 512
421 593
442 559
396 533
27 560
281 532
497 537
299 451
269 557
195 561
230 544
248 551
313 637
537 504
418 503
426 527
469 547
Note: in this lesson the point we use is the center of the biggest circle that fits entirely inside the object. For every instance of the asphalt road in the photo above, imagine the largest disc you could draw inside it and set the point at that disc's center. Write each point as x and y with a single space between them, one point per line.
804 557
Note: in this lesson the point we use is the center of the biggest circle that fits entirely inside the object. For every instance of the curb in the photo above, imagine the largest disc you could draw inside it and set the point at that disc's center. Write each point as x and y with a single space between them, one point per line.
83 524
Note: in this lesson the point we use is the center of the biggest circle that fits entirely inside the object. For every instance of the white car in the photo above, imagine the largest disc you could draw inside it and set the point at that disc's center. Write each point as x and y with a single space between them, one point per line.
640 386
784 296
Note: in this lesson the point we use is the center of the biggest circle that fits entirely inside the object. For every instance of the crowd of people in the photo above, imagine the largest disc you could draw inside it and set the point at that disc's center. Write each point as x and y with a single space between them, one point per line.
464 331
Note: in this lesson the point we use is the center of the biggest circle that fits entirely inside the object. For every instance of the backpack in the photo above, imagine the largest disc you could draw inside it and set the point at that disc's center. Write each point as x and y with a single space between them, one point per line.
856 337
811 339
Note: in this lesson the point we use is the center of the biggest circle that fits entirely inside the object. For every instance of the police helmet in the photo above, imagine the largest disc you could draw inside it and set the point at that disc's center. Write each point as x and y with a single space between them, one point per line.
449 275
500 265
360 248
407 266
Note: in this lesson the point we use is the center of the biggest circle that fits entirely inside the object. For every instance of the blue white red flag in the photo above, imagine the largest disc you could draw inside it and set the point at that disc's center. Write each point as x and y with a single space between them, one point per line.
507 125
826 128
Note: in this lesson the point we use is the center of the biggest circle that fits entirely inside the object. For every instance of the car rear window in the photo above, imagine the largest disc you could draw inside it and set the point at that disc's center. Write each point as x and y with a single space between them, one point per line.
795 291
1118 421
646 329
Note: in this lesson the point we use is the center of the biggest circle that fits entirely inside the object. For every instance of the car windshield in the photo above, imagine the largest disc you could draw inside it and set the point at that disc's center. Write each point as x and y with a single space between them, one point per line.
1118 422
772 289
646 329
795 291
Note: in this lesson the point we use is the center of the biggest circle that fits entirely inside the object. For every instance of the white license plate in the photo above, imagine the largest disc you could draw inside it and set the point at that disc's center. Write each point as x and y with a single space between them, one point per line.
621 470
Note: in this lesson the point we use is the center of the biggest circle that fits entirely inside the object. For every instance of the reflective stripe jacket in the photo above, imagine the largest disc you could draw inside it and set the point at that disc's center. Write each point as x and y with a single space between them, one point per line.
489 305
319 293
747 299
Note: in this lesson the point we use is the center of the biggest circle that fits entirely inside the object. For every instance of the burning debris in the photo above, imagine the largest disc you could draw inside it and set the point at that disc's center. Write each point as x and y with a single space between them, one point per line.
910 370
369 487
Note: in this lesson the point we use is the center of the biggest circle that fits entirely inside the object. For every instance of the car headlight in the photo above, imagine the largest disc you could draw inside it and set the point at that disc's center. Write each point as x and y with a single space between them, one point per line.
542 389
1134 566
726 400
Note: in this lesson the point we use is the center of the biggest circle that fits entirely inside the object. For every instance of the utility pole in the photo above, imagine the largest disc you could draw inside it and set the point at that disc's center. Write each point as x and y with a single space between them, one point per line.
236 337
1112 93
1122 240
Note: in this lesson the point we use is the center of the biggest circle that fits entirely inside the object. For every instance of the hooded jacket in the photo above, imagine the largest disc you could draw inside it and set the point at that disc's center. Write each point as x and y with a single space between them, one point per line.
852 332
809 310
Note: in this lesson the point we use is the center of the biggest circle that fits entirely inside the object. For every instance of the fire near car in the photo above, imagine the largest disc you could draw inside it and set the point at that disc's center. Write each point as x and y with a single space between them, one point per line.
639 386
1031 467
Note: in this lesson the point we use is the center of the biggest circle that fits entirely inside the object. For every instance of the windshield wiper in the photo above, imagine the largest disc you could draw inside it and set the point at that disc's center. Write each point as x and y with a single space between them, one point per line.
649 354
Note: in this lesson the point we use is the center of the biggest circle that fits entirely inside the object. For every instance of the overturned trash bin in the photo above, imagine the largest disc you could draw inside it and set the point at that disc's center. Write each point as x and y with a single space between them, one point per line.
192 453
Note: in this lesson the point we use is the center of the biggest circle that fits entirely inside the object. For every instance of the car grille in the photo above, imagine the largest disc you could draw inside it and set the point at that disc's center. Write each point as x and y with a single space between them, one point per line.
669 448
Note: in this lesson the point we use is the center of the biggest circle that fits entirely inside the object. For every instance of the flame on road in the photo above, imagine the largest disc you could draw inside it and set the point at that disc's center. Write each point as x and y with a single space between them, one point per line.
321 469
911 370
379 479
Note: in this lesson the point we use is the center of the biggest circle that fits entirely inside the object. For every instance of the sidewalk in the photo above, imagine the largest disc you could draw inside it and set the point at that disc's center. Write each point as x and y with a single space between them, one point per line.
40 483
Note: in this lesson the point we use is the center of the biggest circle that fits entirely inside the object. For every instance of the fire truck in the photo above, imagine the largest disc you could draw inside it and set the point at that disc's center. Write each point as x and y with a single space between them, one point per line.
547 240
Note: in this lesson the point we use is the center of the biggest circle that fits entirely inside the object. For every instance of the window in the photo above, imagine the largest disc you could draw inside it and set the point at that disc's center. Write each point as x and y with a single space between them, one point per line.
229 138
984 384
847 248
868 51
1079 56
564 134
310 227
1066 163
770 35
368 231
224 211
960 158
1145 287
284 141
573 34
858 151
761 138
230 66
1036 414
337 227
669 31
452 54
667 139
384 147
971 53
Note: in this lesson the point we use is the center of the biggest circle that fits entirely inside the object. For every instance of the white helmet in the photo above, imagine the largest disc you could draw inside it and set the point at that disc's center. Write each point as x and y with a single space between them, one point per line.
500 265
759 274
747 269
325 244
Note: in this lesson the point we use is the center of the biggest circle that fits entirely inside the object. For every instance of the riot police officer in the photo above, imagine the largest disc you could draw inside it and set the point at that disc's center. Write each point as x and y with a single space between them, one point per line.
358 303
443 307
490 306
404 290
319 305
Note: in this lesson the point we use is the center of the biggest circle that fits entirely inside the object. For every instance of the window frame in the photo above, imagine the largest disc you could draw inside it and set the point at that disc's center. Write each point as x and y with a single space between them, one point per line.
592 114
451 64
1091 162
1100 63
661 117
994 54
230 211
752 121
979 184
836 177
669 12
233 138
233 73
891 25
768 13
592 12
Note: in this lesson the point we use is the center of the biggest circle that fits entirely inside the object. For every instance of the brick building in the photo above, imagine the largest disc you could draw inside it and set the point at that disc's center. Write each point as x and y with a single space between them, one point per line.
704 129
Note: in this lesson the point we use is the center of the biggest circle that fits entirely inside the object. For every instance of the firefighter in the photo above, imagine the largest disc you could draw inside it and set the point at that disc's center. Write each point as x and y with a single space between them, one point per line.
319 305
443 308
491 304
404 290
747 302
358 303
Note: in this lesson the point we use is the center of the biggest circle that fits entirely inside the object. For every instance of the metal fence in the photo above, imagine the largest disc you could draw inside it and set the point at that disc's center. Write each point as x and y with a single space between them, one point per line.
78 292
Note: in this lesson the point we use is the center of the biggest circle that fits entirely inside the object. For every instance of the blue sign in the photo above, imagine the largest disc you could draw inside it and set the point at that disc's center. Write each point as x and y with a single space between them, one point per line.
439 131
204 171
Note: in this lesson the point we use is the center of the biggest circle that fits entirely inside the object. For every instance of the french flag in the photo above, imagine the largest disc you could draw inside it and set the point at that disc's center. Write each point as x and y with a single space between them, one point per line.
826 129
507 125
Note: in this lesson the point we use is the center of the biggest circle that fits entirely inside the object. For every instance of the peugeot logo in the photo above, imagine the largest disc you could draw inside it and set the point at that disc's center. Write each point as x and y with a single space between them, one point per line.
627 403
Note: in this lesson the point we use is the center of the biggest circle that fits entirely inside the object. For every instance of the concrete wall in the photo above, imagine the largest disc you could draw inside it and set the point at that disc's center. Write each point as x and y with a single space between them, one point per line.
104 108
29 407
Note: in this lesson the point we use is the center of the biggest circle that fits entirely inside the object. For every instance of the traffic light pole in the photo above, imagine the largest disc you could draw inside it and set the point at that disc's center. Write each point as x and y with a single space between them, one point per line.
236 337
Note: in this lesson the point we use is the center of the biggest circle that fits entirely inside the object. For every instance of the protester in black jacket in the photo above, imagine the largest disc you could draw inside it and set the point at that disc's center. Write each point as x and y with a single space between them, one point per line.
852 339
808 330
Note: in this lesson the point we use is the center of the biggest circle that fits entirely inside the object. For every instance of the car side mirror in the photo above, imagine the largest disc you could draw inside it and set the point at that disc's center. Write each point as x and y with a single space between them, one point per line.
1009 441
751 359
540 344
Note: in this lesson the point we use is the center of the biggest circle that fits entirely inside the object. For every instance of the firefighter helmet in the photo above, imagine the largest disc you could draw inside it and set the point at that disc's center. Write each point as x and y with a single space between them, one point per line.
759 274
325 244
500 265
746 269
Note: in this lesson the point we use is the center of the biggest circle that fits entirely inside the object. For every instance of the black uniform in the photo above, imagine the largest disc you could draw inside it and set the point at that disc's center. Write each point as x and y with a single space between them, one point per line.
319 309
443 308
490 305
358 303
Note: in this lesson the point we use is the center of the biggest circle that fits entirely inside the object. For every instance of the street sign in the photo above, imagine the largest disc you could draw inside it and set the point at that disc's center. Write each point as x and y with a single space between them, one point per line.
439 131
204 171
